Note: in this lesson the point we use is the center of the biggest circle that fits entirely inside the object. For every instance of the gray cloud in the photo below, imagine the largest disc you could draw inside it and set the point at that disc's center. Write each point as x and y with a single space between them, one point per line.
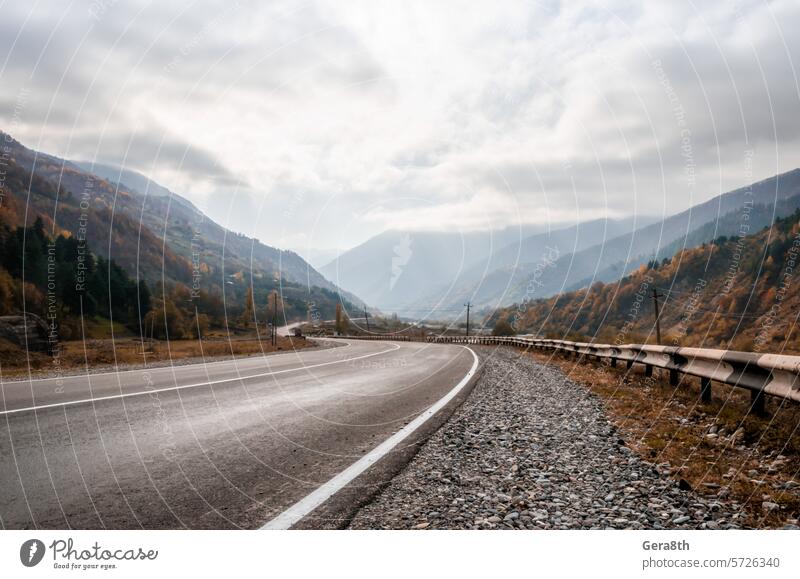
150 152
486 115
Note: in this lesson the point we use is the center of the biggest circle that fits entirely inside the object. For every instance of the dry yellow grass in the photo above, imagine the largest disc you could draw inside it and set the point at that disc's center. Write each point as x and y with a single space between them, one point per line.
748 458
128 351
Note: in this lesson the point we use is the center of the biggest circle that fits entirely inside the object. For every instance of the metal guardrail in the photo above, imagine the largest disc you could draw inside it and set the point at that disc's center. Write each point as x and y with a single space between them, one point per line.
773 374
386 337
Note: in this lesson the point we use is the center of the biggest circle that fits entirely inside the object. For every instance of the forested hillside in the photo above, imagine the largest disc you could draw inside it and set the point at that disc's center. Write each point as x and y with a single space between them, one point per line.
740 293
614 258
195 273
61 280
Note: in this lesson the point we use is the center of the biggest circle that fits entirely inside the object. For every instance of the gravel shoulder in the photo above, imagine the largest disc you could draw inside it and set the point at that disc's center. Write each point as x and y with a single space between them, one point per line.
531 449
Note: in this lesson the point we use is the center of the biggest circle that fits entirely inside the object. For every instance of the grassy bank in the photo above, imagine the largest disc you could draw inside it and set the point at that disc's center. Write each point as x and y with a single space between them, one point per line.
95 353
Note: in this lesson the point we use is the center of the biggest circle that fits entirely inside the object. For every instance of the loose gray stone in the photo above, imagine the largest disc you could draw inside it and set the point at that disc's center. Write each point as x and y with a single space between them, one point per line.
529 448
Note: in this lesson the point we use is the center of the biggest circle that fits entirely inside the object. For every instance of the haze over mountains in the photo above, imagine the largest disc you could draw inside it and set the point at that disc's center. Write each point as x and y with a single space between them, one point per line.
412 273
396 268
433 274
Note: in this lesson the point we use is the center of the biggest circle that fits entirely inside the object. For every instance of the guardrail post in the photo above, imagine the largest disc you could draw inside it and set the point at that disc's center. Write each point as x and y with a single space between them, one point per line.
673 377
648 370
757 402
629 364
705 389
613 362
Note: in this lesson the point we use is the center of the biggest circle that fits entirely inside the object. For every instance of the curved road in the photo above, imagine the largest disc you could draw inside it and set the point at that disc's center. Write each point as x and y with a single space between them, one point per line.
219 445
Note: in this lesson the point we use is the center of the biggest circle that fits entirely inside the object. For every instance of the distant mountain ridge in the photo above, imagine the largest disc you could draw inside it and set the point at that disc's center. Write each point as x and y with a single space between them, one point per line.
621 255
243 250
158 236
413 273
488 282
731 293
396 268
752 206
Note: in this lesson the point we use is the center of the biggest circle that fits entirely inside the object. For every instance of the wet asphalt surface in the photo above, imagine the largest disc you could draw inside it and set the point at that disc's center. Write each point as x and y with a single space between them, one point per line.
223 445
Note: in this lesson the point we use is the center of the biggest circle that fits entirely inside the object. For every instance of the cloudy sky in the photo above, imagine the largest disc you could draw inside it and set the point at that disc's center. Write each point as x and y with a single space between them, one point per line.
311 124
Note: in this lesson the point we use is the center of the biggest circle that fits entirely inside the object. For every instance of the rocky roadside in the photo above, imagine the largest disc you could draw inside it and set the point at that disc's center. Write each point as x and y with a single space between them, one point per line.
530 449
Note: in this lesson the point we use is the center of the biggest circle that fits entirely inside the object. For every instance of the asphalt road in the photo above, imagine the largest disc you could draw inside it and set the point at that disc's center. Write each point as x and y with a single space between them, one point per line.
223 445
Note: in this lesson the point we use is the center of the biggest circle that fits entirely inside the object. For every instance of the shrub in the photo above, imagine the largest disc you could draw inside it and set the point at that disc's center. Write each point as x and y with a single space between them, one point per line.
503 328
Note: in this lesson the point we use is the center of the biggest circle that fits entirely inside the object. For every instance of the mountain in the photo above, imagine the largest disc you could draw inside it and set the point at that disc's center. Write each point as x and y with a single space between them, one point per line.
734 293
396 271
131 179
181 221
155 234
730 224
488 281
543 275
318 258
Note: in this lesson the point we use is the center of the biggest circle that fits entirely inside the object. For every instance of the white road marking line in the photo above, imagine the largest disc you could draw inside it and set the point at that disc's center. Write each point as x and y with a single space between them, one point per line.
304 506
236 362
207 383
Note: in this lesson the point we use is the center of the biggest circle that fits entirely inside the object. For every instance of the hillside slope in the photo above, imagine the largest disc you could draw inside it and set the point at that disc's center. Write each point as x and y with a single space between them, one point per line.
738 293
486 283
725 214
396 268
182 222
157 236
412 272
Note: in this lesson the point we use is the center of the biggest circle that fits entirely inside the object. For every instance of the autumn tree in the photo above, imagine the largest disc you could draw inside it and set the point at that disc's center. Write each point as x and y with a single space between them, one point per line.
6 292
200 325
247 314
341 323
166 321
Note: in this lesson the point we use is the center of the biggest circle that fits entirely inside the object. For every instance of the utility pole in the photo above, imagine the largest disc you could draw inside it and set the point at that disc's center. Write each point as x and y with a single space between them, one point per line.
656 295
274 318
366 318
469 305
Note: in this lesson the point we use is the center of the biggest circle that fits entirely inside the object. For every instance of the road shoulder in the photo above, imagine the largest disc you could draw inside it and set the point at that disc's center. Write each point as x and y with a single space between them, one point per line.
531 449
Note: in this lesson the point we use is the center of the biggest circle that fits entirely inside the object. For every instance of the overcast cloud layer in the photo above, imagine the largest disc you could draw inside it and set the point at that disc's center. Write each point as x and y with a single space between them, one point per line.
320 124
